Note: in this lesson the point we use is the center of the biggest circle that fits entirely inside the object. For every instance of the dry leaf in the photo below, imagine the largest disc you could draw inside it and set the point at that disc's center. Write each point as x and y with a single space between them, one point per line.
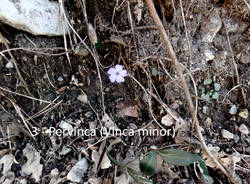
95 157
32 166
83 98
95 180
106 163
138 10
92 34
131 111
108 122
77 171
167 120
5 166
123 179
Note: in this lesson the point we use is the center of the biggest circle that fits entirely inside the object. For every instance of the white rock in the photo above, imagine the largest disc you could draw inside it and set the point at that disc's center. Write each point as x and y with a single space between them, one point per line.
60 79
83 98
231 26
77 171
244 114
9 65
6 163
65 126
210 27
226 134
54 172
167 120
123 179
105 163
243 129
39 17
245 58
233 110
65 151
81 51
208 55
95 180
32 166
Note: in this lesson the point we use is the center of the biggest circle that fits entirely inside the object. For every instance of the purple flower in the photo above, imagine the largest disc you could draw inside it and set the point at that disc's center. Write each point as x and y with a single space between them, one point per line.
117 73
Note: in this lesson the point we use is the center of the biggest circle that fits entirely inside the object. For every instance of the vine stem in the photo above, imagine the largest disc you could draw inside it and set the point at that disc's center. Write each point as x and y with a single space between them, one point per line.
175 62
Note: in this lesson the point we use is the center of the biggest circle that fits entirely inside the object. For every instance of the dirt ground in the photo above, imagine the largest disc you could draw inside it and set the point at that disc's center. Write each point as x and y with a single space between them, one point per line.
66 89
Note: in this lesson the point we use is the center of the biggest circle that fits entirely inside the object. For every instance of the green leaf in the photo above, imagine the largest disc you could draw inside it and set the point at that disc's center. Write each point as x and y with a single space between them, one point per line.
216 86
178 157
154 71
206 96
215 96
115 161
149 163
137 177
210 93
203 90
183 158
207 81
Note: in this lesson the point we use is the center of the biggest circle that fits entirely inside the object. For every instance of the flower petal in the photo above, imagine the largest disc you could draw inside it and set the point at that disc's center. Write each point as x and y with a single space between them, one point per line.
119 79
111 71
118 67
124 73
112 78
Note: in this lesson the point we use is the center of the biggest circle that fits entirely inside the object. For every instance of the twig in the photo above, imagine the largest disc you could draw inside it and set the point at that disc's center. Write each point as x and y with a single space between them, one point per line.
15 64
234 63
162 31
185 26
47 75
96 58
19 94
64 33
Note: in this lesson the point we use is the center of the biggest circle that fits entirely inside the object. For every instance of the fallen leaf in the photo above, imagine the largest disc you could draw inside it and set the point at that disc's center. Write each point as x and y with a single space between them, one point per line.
32 166
77 171
138 10
95 157
122 179
108 122
106 163
167 120
131 111
5 166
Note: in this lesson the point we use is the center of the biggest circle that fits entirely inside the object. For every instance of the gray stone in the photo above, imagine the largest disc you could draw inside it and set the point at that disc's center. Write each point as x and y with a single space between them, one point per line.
77 171
39 17
245 58
226 134
243 129
210 27
233 110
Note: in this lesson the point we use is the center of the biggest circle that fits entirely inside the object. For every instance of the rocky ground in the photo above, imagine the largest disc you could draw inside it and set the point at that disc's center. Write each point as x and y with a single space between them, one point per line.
57 101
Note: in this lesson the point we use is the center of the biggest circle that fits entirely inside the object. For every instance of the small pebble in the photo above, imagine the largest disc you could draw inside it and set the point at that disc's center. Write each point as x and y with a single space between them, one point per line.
81 51
243 129
226 134
83 98
245 58
208 55
9 65
205 109
54 172
167 120
233 110
64 151
65 125
77 171
244 114
60 79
